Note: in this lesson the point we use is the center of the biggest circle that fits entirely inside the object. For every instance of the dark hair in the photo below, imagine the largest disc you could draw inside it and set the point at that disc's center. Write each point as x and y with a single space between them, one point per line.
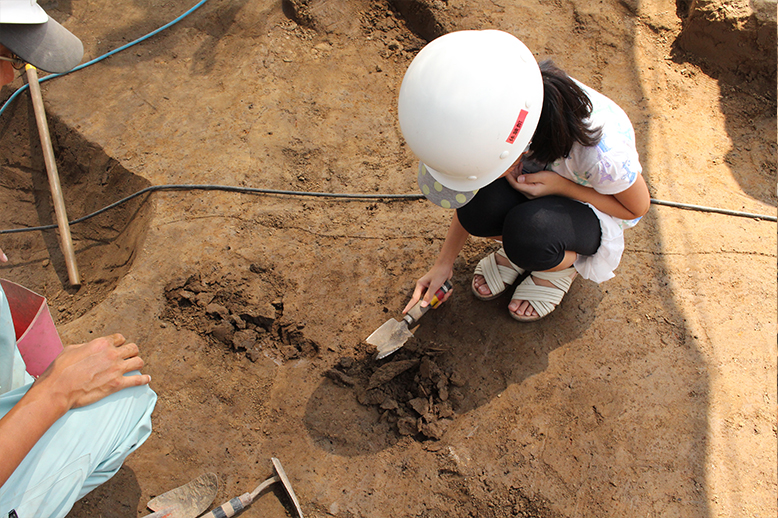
563 118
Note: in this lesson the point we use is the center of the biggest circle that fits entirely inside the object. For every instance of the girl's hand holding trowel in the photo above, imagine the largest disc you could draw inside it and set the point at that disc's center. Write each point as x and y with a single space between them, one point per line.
443 269
393 334
428 286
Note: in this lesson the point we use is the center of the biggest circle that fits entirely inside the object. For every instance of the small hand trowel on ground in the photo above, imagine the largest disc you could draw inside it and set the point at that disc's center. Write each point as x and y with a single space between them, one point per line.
187 501
190 500
393 334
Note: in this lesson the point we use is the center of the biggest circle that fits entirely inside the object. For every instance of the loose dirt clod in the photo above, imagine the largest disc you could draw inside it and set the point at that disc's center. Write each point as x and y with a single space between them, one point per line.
411 391
218 309
340 377
389 371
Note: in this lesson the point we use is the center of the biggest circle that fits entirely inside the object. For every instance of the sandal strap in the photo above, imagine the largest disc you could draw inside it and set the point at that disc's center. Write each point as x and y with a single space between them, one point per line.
544 298
496 275
562 279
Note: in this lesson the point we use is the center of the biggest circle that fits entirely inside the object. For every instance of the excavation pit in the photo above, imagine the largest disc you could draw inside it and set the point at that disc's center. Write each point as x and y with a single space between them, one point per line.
105 245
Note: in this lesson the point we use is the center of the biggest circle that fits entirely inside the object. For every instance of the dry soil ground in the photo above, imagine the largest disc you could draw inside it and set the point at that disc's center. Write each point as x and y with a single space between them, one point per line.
653 394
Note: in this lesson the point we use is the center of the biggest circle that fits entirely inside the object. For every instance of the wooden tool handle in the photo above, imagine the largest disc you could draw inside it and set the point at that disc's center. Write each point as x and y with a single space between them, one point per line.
66 240
417 311
230 508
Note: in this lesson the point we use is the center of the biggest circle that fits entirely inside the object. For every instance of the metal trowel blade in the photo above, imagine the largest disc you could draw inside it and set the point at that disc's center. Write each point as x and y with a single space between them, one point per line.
189 500
389 337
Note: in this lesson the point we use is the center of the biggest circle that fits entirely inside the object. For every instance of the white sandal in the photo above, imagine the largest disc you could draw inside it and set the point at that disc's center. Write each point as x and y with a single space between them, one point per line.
544 299
497 276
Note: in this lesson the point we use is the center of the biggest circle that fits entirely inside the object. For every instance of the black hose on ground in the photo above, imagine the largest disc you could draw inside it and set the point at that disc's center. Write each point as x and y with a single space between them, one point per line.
367 197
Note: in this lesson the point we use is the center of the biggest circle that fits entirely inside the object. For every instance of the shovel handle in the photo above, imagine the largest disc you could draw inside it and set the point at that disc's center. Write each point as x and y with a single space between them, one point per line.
417 311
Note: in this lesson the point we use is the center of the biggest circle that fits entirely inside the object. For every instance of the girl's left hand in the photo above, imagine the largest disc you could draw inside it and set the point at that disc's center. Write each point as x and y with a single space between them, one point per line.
536 185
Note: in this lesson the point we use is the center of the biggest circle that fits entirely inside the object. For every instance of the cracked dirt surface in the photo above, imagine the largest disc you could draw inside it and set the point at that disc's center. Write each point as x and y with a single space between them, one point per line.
652 394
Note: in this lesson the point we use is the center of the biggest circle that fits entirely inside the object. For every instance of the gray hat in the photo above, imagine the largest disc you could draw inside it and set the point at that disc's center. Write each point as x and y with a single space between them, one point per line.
47 46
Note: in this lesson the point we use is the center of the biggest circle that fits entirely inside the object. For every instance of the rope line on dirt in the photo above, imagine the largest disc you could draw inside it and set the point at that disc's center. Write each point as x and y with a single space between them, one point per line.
106 55
366 197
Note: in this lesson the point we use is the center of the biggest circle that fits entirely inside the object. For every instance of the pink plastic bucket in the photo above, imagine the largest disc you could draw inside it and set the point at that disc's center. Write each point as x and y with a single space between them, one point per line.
36 334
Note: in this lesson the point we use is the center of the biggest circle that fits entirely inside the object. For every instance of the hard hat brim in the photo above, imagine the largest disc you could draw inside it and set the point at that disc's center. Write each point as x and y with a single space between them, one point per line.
22 11
438 193
47 46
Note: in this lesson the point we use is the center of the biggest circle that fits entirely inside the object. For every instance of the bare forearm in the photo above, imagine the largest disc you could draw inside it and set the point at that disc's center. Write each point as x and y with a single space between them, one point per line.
24 425
603 202
455 240
81 375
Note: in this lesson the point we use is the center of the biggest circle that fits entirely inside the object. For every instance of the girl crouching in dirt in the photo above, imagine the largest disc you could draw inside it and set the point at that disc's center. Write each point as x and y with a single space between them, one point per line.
527 156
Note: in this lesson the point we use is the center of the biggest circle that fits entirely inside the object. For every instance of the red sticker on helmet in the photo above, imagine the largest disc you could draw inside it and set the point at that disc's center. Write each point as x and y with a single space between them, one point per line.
517 127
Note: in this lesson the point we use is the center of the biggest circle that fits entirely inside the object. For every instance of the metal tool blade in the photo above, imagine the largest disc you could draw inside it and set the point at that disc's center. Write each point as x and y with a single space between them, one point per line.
389 337
393 334
189 500
287 485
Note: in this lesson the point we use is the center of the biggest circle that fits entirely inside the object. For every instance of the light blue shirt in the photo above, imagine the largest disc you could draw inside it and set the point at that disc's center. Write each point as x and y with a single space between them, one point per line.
80 451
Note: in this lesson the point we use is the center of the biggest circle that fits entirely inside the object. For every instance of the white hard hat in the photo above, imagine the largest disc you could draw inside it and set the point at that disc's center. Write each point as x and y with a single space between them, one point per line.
469 104
22 11
36 38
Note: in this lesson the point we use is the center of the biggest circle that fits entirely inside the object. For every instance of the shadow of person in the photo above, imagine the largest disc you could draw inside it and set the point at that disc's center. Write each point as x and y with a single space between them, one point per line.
339 424
490 350
462 356
119 498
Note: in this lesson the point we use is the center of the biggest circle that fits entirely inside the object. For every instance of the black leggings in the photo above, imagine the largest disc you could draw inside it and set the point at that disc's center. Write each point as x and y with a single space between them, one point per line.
535 232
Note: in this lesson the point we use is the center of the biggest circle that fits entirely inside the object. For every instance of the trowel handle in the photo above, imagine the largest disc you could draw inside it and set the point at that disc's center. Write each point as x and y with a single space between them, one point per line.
230 508
417 311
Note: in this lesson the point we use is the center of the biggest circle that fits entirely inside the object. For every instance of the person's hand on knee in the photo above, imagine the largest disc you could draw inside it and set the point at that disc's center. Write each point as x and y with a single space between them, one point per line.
86 373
